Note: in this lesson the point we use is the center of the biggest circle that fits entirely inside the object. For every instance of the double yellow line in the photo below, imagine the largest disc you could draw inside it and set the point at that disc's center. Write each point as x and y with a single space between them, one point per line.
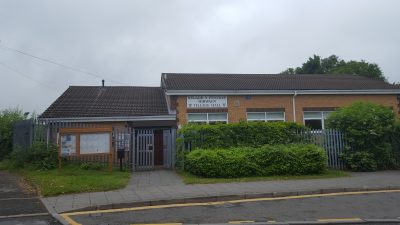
67 216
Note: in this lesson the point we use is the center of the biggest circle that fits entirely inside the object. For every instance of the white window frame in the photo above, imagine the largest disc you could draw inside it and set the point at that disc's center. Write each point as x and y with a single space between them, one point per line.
266 119
207 121
322 117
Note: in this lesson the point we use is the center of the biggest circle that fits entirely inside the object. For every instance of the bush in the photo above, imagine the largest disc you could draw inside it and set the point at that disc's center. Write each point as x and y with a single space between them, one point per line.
43 157
18 158
368 128
395 142
359 161
253 134
7 119
39 155
294 159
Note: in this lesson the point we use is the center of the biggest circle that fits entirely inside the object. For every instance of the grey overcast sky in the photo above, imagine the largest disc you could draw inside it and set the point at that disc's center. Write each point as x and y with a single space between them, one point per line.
133 42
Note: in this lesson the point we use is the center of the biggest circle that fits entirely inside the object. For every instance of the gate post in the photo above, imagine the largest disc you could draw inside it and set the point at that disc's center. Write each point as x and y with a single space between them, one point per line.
132 148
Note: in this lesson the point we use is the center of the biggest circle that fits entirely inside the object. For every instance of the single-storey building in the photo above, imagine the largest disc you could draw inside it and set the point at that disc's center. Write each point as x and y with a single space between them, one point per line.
138 116
146 118
304 98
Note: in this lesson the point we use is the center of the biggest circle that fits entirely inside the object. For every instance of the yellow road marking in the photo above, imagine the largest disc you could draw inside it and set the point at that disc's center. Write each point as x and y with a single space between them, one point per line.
156 224
241 221
69 220
271 221
340 220
67 215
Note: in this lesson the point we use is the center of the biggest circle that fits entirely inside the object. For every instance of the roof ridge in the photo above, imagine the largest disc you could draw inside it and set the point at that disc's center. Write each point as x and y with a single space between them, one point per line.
269 74
88 86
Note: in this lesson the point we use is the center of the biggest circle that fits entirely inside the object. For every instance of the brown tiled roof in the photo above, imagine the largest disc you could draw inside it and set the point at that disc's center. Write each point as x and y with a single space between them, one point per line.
188 81
111 101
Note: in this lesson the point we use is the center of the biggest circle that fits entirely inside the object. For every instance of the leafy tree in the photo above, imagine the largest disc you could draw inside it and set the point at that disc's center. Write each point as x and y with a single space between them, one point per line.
360 68
334 65
368 128
7 119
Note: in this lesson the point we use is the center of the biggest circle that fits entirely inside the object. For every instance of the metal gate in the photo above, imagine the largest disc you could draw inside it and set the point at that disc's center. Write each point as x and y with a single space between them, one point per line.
139 147
144 149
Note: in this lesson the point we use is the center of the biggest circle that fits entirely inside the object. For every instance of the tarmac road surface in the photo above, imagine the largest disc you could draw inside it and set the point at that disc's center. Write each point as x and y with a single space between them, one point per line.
328 208
19 203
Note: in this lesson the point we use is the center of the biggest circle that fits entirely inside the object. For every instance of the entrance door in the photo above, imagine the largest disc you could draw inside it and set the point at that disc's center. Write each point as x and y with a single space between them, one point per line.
158 148
144 149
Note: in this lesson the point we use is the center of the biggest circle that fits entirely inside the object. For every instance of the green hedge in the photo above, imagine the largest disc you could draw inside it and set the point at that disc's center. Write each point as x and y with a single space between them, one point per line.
370 128
293 159
359 161
253 134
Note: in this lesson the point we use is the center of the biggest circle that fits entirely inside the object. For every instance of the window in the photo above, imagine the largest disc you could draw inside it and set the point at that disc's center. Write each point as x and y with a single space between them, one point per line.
315 120
266 116
207 118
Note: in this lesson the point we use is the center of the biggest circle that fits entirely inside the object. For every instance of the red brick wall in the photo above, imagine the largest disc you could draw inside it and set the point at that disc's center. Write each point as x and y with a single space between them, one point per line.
237 105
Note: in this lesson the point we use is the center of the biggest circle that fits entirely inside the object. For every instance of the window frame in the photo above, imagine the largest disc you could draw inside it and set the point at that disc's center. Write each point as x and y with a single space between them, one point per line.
322 117
207 120
265 117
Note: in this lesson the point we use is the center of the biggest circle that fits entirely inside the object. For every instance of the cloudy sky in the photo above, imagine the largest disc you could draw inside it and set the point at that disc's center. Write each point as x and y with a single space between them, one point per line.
133 42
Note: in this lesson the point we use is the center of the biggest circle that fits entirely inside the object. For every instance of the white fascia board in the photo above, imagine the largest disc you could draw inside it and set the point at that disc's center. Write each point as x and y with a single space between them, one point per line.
282 92
110 119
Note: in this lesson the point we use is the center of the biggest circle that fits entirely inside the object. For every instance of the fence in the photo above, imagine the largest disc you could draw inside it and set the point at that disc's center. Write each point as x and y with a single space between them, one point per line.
332 141
28 131
142 148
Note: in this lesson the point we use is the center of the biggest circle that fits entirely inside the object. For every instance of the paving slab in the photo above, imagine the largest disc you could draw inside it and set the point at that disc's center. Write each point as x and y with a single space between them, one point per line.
162 185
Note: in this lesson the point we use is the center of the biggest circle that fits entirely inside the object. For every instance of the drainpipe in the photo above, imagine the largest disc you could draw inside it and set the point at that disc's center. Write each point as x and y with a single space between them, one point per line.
294 106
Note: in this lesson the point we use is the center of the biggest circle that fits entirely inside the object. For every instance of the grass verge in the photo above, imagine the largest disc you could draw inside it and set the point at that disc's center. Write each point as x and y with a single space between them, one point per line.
73 179
189 178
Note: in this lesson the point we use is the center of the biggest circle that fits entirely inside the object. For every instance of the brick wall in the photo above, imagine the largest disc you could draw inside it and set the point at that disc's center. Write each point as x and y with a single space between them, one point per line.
237 105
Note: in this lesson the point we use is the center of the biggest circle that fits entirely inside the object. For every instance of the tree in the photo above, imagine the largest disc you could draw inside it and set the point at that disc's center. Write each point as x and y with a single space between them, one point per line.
7 119
334 65
360 68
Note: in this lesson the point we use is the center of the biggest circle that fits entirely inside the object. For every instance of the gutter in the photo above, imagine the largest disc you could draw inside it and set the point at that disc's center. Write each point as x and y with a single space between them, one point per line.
282 92
110 119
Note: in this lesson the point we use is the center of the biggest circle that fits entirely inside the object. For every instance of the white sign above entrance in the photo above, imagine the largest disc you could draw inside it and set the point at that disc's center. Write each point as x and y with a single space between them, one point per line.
206 101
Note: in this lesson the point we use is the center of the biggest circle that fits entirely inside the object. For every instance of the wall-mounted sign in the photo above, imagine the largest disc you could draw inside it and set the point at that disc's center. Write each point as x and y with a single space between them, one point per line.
68 144
206 101
83 143
94 143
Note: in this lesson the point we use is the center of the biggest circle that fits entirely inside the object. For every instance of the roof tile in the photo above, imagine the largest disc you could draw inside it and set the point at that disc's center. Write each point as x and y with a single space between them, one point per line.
190 81
109 101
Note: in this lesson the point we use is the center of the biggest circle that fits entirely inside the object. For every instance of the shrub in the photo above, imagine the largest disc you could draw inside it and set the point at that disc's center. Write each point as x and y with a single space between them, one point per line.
18 158
39 155
368 127
253 134
395 142
294 159
42 156
359 161
7 119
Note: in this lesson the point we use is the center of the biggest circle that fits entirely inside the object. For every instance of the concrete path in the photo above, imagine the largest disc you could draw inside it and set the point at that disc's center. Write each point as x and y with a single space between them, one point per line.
155 186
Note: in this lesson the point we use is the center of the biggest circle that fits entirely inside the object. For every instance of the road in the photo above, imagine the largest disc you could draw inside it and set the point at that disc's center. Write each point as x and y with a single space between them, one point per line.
19 203
322 208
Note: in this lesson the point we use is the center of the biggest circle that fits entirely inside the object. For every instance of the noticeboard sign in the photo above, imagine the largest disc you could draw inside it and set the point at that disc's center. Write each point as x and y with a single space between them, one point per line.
80 141
94 143
207 101
68 144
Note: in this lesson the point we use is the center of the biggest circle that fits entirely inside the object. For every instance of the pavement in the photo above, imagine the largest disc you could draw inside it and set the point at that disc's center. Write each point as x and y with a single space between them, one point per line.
166 187
20 204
